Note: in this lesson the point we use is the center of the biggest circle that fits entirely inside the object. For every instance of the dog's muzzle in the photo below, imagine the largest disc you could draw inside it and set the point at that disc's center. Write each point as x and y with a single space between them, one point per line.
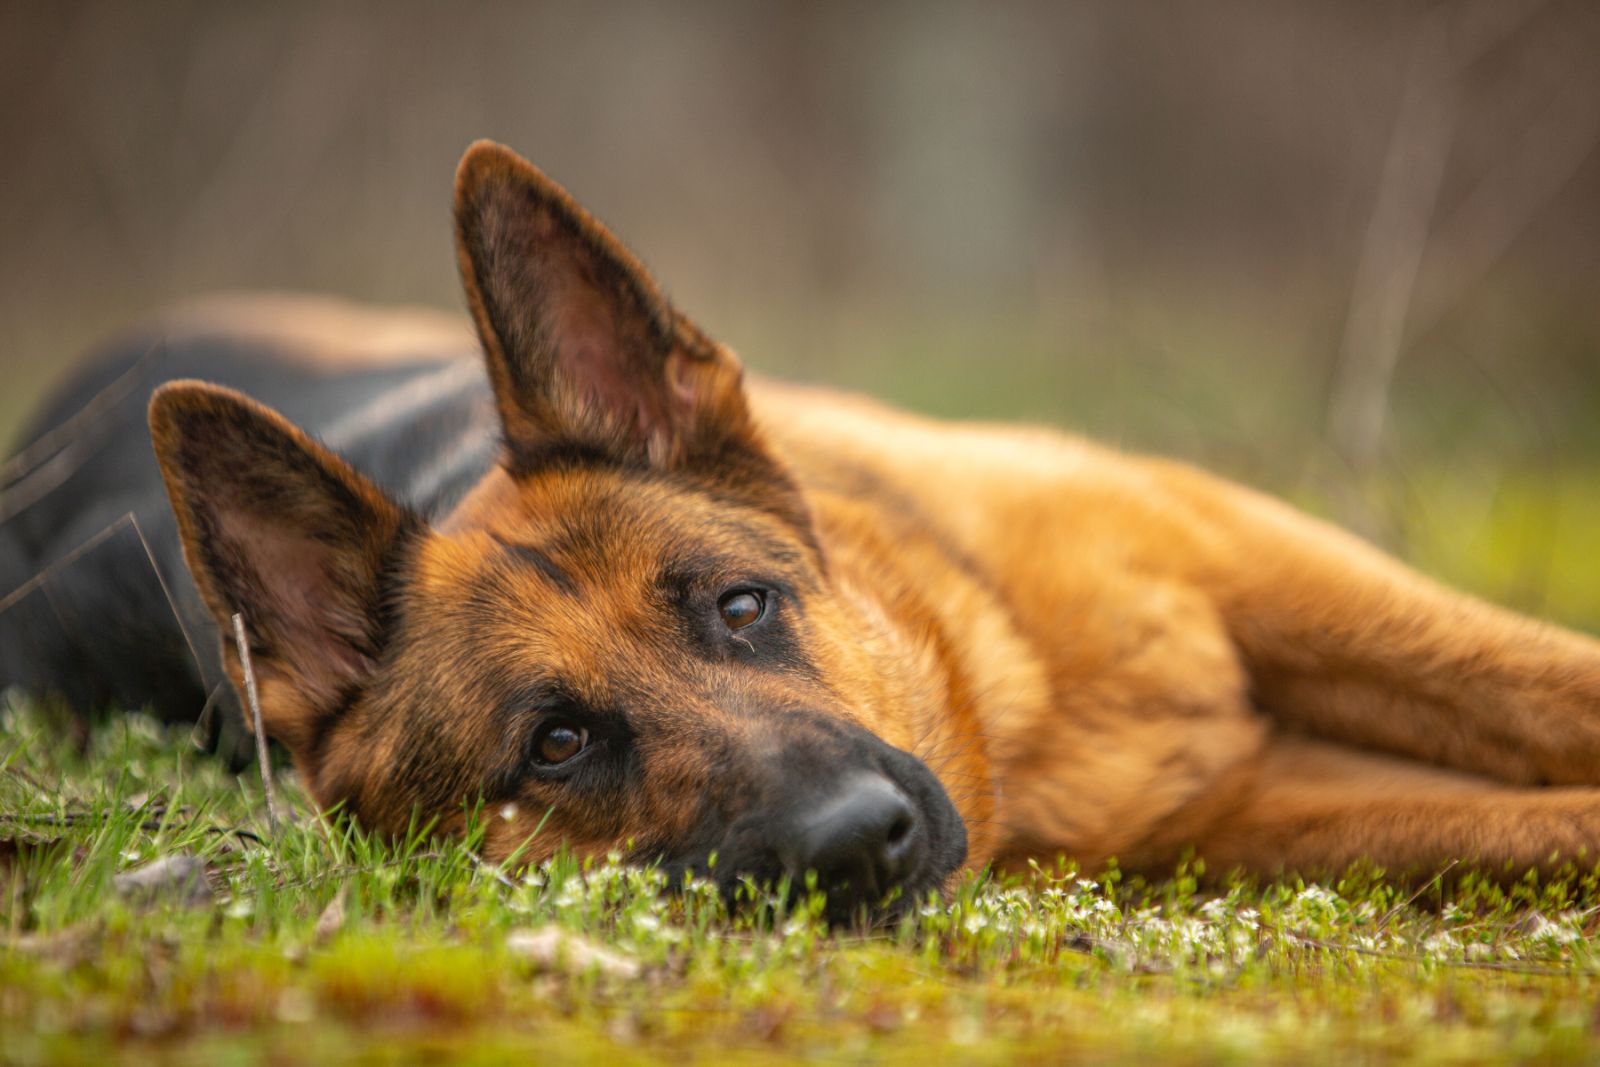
863 822
862 842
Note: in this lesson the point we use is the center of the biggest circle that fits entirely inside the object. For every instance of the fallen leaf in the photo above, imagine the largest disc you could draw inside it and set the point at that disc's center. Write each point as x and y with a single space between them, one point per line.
64 945
882 1017
549 948
331 921
181 878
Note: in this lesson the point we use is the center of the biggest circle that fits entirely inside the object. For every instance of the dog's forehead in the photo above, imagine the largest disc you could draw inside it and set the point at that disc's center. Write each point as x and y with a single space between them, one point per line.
589 531
592 584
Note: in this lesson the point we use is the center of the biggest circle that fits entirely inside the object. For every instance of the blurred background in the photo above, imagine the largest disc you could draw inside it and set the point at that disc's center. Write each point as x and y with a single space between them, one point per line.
1348 252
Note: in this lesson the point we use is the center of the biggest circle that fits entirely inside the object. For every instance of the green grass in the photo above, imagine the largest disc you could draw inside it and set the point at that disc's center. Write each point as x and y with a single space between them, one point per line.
1055 969
422 964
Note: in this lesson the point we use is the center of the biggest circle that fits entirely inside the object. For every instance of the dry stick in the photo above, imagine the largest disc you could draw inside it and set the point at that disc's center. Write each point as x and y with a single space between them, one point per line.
14 597
1436 880
1532 970
82 818
46 464
85 419
492 869
255 718
202 723
45 479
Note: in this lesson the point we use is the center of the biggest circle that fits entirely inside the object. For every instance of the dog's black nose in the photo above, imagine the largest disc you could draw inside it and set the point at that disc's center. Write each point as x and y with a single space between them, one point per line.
862 840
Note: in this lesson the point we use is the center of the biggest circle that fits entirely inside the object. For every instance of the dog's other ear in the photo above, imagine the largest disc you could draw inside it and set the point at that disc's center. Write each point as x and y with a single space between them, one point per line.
584 352
283 532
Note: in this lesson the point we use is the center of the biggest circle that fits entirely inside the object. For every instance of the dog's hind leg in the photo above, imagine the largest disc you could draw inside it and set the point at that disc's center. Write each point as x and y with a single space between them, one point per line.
1314 808
1345 643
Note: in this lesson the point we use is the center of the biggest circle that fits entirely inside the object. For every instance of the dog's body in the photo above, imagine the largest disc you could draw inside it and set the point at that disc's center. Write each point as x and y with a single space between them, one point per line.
1096 655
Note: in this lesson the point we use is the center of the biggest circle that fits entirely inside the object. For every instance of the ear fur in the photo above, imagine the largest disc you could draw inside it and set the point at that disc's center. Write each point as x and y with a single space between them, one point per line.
584 352
282 531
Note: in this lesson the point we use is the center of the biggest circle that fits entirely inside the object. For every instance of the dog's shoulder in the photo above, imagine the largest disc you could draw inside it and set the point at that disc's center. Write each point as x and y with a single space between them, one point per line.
837 442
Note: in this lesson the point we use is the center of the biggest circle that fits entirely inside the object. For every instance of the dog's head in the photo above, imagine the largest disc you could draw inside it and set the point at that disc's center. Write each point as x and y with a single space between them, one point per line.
626 637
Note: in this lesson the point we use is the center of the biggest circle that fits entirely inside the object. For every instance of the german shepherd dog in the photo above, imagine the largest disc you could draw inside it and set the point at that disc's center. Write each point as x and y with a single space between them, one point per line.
636 602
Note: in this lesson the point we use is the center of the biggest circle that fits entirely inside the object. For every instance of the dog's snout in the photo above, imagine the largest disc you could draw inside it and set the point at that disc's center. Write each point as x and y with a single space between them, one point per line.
832 807
862 841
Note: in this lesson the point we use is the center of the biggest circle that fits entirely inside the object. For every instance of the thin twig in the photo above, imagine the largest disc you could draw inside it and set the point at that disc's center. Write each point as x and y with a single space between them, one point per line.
200 733
346 870
155 822
45 479
490 869
1392 252
15 596
1533 970
1431 883
172 601
255 718
75 818
75 428
24 775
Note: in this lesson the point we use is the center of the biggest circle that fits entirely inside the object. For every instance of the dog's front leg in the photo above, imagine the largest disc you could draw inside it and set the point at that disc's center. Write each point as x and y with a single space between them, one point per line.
1345 643
1313 808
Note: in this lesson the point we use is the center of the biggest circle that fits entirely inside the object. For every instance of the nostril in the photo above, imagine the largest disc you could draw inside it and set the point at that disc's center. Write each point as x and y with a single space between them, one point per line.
861 841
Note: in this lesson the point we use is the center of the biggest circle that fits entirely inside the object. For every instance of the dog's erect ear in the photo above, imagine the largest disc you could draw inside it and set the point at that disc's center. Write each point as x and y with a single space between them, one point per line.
283 532
584 352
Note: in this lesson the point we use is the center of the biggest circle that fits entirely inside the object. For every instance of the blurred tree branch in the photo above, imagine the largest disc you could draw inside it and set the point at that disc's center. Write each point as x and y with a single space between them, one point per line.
1413 270
1391 255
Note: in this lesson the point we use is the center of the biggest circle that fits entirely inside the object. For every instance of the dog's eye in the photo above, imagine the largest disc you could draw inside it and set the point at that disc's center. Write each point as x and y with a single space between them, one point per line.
742 607
559 742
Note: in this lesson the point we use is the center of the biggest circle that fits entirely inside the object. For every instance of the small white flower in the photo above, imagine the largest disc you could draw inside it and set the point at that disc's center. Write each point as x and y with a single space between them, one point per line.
1442 944
1556 933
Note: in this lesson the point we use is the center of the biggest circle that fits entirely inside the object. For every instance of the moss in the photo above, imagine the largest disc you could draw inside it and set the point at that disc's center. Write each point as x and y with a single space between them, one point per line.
1053 968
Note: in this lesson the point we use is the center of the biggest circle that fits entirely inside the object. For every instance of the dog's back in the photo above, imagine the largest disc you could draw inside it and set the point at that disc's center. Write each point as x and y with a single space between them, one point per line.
96 605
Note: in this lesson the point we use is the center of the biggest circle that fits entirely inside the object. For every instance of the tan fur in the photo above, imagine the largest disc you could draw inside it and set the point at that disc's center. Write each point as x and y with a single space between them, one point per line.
1191 629
1100 655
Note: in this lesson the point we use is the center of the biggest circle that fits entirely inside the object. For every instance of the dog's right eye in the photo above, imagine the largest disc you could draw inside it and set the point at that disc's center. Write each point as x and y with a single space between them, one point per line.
559 741
742 607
